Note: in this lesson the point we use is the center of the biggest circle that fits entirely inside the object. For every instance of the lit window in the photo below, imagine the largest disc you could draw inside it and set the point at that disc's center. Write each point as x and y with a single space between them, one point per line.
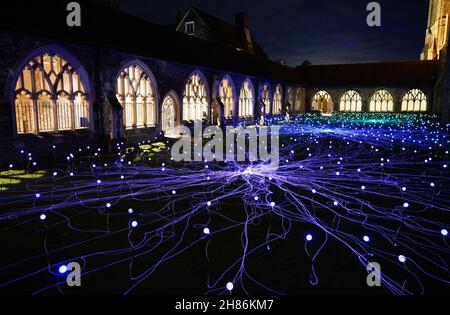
382 101
60 101
351 102
195 101
246 100
323 102
135 92
277 99
227 97
168 115
414 101
265 98
190 28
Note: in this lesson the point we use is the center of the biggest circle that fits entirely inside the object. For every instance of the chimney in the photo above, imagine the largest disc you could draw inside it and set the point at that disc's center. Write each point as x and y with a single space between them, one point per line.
241 23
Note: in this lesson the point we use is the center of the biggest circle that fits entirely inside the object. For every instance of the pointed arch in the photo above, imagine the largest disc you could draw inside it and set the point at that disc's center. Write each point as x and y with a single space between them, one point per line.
51 92
414 101
265 97
170 114
137 92
277 100
322 101
350 101
381 101
196 97
227 95
246 99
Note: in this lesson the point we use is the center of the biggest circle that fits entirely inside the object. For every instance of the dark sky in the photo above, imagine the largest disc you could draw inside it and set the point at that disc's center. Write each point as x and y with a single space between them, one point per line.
322 31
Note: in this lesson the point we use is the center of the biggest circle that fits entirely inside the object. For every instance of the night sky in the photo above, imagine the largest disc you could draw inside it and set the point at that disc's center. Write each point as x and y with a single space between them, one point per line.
321 31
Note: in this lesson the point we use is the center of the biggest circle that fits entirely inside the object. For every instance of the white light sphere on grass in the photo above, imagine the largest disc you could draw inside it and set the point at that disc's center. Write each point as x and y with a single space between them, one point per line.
62 269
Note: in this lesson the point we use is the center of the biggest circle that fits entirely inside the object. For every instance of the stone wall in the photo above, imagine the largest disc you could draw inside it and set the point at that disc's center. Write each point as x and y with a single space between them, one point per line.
102 67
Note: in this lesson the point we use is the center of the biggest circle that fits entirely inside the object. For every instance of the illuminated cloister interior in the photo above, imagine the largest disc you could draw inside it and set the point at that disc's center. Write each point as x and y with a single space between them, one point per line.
382 101
414 101
246 100
291 95
350 102
277 98
168 115
227 97
50 97
265 98
323 102
195 99
135 92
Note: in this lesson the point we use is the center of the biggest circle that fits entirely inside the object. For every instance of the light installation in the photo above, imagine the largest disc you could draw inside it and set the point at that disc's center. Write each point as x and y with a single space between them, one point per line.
358 184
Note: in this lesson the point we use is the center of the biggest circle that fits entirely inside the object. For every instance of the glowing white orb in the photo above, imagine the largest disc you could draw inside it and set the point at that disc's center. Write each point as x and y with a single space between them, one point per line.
230 286
444 232
309 237
206 231
402 259
62 269
134 224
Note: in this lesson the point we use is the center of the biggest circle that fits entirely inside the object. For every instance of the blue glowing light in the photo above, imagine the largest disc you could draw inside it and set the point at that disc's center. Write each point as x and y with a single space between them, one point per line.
230 286
309 237
206 231
444 232
134 224
402 258
366 239
62 269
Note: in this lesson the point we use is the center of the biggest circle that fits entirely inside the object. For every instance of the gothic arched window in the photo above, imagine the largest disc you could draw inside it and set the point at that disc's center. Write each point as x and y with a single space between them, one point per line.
50 96
382 101
226 95
351 102
323 102
414 101
246 100
136 94
277 99
265 98
195 99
